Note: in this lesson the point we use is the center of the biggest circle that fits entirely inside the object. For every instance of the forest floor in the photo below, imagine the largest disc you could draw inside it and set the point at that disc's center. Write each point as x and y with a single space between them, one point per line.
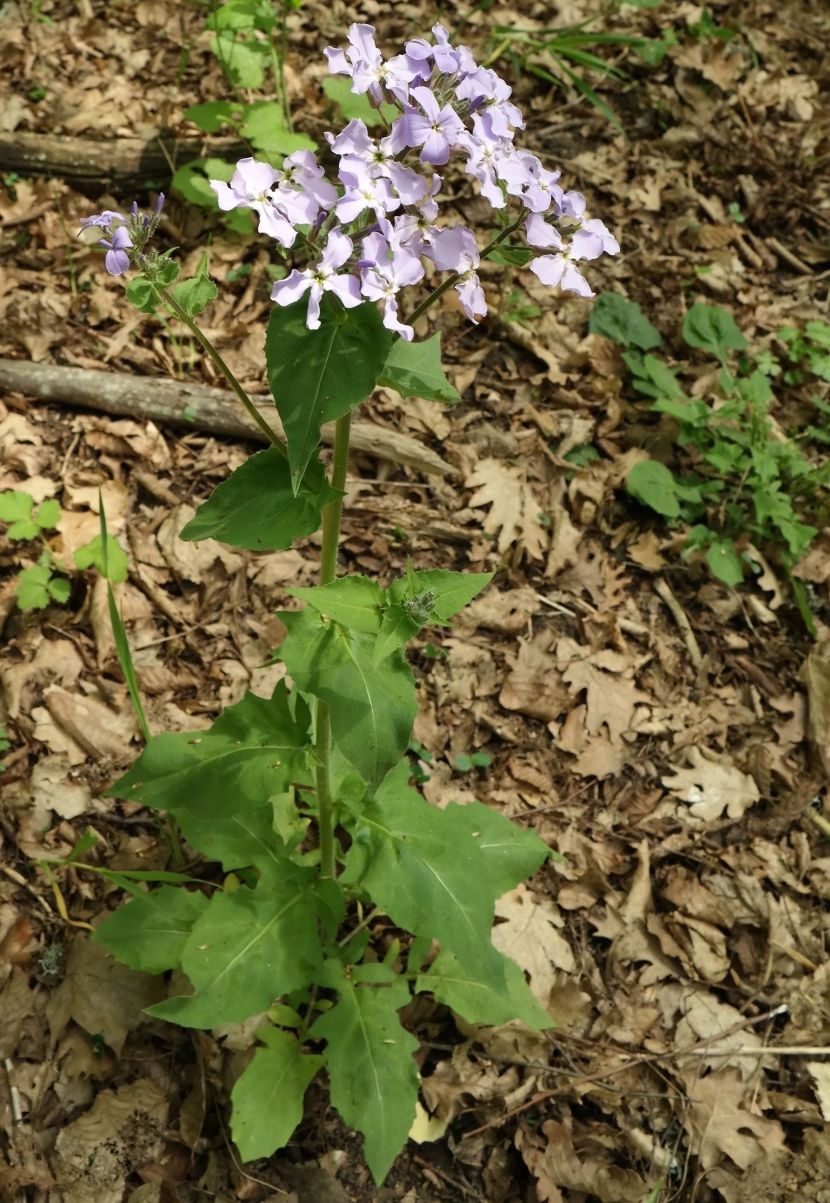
667 734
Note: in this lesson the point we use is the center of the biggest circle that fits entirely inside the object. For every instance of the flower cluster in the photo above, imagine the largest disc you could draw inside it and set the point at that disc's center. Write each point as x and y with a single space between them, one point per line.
378 229
126 233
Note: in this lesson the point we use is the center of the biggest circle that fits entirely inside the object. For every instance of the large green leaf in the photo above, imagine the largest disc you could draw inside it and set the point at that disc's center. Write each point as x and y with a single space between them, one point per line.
426 870
353 601
317 376
479 1001
372 706
653 484
246 949
237 842
268 1097
448 592
623 321
150 932
414 370
254 749
712 328
512 853
374 1082
257 508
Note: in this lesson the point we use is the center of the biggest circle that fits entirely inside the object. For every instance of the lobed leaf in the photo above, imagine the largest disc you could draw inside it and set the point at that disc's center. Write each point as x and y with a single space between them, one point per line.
150 932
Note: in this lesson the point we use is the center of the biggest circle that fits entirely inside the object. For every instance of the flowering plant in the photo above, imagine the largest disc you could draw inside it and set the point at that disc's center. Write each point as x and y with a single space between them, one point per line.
305 798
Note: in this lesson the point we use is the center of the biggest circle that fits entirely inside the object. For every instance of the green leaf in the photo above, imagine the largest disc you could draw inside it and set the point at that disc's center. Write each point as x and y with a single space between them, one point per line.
652 376
254 749
142 295
414 370
190 180
317 376
32 587
372 707
512 853
481 1002
425 869
15 506
150 932
59 589
268 1097
653 484
724 562
212 116
353 601
48 514
113 567
256 507
374 1082
244 63
356 105
238 842
623 321
712 329
246 949
452 590
195 294
264 127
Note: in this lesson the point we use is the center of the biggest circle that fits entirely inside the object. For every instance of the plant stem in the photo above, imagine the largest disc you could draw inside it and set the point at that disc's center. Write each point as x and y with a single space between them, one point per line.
176 309
328 571
438 292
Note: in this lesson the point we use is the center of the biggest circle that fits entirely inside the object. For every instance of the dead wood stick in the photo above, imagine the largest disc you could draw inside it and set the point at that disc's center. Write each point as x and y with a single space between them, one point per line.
99 163
194 406
664 591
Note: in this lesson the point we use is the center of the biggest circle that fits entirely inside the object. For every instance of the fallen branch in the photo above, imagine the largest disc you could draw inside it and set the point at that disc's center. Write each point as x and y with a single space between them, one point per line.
89 162
194 406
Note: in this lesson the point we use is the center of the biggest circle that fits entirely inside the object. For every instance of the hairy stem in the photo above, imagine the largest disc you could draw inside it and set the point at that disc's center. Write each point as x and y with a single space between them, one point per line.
176 309
328 571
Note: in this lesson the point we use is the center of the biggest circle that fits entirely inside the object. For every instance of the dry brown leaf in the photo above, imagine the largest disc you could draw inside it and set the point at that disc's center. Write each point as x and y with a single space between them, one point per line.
816 675
718 1124
820 1073
712 786
102 996
105 733
531 937
557 1166
610 697
534 685
513 508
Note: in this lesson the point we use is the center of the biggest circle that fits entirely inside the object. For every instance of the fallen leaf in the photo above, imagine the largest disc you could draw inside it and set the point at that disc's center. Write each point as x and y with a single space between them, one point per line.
530 936
712 786
514 511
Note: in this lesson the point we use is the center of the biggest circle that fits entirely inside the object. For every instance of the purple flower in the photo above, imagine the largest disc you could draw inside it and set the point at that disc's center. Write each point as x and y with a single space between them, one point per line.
489 95
324 277
364 63
455 250
561 270
436 130
252 187
116 260
364 192
382 282
593 239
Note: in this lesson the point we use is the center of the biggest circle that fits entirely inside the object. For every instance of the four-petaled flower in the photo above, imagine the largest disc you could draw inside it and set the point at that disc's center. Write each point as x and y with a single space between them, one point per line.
323 277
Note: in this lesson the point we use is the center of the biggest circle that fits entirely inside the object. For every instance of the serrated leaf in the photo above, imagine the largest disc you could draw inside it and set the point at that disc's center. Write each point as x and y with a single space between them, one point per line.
59 589
150 932
113 566
372 706
414 370
268 1097
48 514
32 592
317 376
355 105
479 1001
712 328
257 509
374 1082
653 484
512 853
246 949
254 749
623 321
422 866
15 506
237 842
353 601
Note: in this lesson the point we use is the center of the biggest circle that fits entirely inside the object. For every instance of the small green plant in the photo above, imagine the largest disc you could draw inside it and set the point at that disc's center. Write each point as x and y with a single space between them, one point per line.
520 309
46 581
5 744
465 762
806 351
737 481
